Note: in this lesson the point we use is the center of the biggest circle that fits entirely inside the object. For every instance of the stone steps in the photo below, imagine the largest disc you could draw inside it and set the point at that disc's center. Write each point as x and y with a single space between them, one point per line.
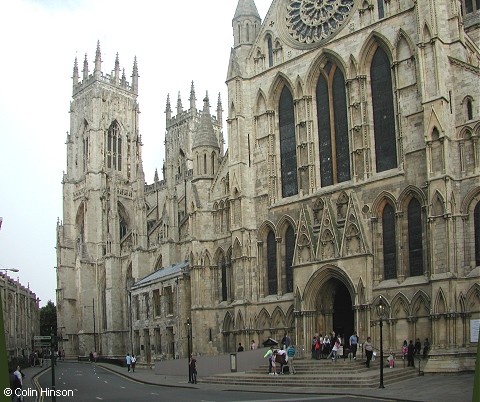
346 374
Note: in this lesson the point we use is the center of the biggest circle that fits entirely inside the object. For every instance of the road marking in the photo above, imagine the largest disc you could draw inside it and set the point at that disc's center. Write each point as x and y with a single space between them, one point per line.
99 398
106 382
122 387
154 393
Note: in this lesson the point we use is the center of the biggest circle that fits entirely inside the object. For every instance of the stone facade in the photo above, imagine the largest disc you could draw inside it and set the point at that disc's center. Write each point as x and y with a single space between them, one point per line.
21 316
352 172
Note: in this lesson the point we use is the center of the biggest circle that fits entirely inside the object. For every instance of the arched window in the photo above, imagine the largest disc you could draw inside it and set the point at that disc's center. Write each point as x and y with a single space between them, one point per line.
123 227
476 224
114 148
288 146
85 154
332 126
272 263
223 267
389 241
204 163
383 112
381 10
415 238
270 51
289 250
469 109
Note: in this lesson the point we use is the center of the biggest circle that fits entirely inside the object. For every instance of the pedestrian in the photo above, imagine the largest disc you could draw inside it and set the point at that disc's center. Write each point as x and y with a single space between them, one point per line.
18 384
410 354
334 351
133 361
128 359
269 354
418 346
286 341
253 345
391 360
95 356
404 349
291 356
90 357
274 363
193 369
426 348
368 348
353 345
240 347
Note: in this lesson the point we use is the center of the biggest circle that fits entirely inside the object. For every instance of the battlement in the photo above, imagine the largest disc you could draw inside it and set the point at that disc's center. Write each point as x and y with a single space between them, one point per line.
107 78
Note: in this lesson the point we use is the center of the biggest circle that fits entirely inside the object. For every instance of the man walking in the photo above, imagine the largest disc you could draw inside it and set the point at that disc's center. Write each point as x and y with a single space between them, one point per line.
353 345
128 358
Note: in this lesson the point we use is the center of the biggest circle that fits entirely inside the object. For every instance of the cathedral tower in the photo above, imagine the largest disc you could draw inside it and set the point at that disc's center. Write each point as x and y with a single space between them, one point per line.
104 210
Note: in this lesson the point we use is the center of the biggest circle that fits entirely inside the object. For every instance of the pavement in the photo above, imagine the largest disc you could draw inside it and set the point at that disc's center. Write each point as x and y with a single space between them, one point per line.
427 388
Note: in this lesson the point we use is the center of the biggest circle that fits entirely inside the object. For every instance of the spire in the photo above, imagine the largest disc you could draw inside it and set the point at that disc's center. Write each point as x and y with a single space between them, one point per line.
135 76
205 135
168 109
155 178
219 110
246 8
192 99
85 68
98 61
75 72
124 78
117 70
179 104
246 23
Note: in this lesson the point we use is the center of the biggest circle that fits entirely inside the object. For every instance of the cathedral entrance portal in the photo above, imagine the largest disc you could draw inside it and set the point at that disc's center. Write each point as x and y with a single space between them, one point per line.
334 309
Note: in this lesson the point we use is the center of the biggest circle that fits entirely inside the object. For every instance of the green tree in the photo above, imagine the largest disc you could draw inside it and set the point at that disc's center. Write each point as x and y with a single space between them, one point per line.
48 319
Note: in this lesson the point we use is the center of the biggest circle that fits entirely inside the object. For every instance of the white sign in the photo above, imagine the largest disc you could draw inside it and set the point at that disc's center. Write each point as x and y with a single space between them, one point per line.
474 328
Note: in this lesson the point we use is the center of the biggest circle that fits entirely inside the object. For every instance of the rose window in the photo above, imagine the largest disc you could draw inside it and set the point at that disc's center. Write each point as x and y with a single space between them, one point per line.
312 21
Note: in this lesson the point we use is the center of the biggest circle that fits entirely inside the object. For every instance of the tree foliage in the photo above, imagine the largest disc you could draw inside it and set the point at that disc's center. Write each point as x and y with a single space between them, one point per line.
48 319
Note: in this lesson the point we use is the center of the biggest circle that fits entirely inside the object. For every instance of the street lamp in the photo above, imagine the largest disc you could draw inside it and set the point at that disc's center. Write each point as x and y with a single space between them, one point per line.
381 313
188 327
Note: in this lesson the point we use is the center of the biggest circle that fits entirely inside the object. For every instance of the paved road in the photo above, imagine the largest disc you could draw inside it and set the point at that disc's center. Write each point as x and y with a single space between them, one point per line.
88 382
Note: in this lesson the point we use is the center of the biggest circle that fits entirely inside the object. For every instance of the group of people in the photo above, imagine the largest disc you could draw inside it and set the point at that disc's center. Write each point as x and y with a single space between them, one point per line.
411 350
281 357
131 361
333 346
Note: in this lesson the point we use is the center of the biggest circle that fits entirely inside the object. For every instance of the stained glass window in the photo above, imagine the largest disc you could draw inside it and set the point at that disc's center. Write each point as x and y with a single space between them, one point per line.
332 122
415 238
289 250
383 112
288 146
389 248
272 263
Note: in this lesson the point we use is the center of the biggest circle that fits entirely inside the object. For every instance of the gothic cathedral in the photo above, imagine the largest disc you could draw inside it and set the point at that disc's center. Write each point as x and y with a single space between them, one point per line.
352 175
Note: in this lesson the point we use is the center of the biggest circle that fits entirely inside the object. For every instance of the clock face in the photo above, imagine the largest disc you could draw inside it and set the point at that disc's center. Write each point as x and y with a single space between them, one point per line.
313 21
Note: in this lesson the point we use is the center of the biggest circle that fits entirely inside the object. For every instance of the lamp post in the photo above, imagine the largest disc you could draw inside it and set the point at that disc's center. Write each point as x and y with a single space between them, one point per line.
188 327
381 313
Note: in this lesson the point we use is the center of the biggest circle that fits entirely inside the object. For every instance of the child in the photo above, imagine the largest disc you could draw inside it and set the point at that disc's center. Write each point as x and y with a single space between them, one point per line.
391 360
274 364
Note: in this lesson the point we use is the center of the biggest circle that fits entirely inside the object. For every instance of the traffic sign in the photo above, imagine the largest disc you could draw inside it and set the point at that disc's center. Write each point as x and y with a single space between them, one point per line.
40 344
42 338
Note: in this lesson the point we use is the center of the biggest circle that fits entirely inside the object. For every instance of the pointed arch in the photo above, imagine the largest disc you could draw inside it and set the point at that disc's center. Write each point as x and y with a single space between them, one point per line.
400 306
438 204
263 320
420 304
440 306
278 318
239 322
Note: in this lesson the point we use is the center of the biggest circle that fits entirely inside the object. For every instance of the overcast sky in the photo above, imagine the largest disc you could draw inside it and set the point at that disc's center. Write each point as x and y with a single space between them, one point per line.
175 43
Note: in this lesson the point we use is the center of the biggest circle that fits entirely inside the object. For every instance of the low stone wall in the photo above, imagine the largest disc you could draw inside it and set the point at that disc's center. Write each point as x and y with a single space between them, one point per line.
210 365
